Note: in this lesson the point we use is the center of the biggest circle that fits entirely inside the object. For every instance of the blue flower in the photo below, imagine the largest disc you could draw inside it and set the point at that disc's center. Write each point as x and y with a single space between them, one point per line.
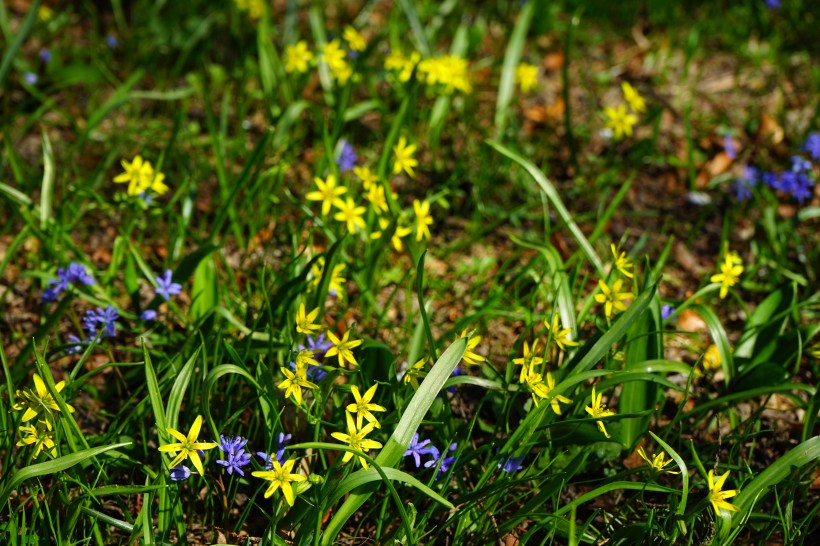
666 311
318 345
800 164
105 319
416 449
279 447
229 444
235 461
45 55
111 41
773 4
771 179
167 287
30 78
179 473
511 463
812 146
279 451
74 273
75 345
729 146
347 157
446 462
148 315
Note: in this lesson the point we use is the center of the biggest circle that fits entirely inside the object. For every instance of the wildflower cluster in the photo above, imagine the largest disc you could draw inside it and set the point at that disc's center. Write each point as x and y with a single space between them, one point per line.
333 193
235 459
40 407
620 120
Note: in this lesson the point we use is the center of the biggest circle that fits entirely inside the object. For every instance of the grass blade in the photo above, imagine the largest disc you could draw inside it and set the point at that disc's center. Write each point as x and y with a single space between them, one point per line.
555 200
512 56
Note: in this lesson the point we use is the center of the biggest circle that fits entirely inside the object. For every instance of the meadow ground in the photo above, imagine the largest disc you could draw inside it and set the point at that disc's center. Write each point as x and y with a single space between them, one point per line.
412 272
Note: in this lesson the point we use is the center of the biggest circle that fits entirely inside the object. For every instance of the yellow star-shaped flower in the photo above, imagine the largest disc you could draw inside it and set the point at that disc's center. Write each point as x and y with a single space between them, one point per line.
280 476
187 446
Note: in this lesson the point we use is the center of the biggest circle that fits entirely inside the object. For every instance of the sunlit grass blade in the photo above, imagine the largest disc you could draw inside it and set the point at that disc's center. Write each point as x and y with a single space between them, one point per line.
684 472
512 56
557 203
178 390
54 466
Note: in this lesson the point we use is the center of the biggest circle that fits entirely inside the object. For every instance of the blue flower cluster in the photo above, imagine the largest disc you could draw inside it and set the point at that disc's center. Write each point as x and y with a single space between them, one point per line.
798 181
417 449
235 458
74 273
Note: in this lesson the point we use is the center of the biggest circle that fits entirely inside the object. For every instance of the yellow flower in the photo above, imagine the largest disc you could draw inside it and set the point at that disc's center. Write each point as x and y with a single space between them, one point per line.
280 477
304 320
187 446
398 234
529 360
658 462
38 400
404 65
363 406
342 348
541 389
294 383
297 57
334 54
355 438
138 174
622 263
255 8
350 214
560 335
366 176
598 410
447 70
711 358
527 76
327 192
41 435
423 219
620 121
336 284
633 98
341 72
414 373
718 497
45 14
471 357
404 160
354 39
304 358
730 271
158 184
376 197
612 297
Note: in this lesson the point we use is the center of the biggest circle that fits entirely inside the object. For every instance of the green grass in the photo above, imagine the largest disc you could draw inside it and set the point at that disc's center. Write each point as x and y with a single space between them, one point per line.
527 191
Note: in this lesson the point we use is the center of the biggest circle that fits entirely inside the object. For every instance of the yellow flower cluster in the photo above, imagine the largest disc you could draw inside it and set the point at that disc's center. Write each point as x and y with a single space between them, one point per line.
611 296
526 76
140 177
448 72
621 120
38 403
